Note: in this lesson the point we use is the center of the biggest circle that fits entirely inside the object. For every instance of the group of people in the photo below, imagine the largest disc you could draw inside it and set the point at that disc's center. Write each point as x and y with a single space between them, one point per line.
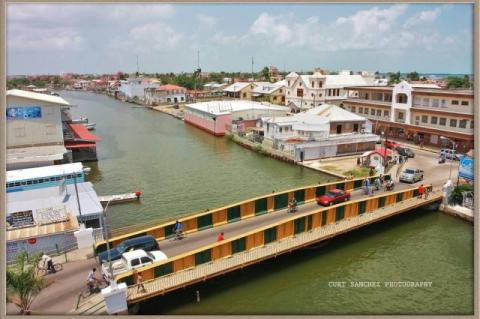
378 183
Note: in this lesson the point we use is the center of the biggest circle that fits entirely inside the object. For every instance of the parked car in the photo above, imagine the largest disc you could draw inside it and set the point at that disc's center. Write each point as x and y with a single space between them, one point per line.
411 175
132 260
333 196
404 151
391 144
146 243
450 154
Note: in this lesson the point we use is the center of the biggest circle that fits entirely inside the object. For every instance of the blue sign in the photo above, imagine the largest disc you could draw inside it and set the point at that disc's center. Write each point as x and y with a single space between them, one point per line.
24 112
465 169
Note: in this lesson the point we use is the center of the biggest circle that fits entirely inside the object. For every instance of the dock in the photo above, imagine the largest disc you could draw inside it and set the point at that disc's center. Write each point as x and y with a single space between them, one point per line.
199 257
121 198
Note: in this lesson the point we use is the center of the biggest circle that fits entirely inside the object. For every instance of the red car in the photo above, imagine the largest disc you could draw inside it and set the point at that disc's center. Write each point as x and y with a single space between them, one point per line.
333 196
391 144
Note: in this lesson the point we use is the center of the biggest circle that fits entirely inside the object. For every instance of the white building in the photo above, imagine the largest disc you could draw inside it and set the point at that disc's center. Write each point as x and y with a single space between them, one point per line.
323 131
135 88
307 91
34 130
165 94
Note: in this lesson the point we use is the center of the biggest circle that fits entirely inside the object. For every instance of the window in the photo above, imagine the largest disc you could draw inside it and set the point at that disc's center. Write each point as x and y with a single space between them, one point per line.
244 95
443 121
360 110
465 103
417 101
274 98
433 120
353 109
312 94
135 262
435 102
313 84
426 102
29 182
462 124
401 98
386 113
35 181
280 129
355 127
300 92
372 112
471 124
453 123
424 119
400 115
145 260
365 111
379 112
443 103
321 83
454 102
289 83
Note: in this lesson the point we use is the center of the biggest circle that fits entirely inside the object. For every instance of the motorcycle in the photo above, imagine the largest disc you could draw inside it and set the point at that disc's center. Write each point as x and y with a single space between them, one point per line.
389 186
292 208
441 160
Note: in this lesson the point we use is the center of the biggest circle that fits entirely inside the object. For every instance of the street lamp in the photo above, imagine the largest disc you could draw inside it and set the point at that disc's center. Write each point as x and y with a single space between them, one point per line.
110 269
452 155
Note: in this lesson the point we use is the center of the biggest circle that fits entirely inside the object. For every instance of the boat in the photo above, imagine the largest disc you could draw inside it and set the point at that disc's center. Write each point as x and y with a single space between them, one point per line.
90 126
121 198
81 120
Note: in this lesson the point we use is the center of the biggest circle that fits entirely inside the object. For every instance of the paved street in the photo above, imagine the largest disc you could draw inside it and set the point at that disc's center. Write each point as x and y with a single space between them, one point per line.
62 294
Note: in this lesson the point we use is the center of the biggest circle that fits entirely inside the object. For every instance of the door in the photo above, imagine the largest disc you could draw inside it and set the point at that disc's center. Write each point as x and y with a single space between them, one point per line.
301 155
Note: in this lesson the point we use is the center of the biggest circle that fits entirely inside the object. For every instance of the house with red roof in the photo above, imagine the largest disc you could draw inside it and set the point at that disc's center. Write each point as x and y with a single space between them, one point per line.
165 94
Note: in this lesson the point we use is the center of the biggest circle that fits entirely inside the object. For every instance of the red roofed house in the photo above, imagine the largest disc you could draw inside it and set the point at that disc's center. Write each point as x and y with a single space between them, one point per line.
81 142
165 94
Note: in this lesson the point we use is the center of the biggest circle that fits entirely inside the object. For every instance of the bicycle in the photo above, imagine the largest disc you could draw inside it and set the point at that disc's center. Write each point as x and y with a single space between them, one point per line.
45 271
94 288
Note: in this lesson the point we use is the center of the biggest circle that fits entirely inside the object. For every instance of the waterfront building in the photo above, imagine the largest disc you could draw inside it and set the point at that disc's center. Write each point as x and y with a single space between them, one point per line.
80 142
81 85
214 86
323 131
240 90
216 116
273 74
135 88
270 92
46 176
34 129
419 113
307 91
165 94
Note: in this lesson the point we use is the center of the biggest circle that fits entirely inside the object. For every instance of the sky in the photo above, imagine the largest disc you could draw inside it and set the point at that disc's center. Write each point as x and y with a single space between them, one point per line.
106 38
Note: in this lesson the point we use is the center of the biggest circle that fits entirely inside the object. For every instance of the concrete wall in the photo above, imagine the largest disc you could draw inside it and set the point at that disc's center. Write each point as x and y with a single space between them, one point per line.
46 130
216 127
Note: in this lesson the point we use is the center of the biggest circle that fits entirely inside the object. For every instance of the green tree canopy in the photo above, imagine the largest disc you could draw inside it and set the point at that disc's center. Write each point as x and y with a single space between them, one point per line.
394 78
413 76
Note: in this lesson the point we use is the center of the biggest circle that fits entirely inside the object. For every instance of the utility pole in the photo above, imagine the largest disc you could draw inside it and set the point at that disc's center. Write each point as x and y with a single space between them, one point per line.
138 69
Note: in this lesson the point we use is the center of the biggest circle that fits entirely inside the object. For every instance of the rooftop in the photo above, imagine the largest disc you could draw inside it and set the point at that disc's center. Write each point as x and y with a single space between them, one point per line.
37 97
38 172
227 107
168 87
238 86
71 224
35 154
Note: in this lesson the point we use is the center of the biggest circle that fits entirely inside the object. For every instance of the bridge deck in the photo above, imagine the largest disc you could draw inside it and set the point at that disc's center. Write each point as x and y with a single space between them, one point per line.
202 272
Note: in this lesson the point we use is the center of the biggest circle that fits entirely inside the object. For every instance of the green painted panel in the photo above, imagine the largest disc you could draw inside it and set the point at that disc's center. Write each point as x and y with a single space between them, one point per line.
233 214
358 183
399 197
415 192
280 201
340 185
169 232
362 207
238 245
128 280
299 225
324 218
339 213
260 206
204 222
299 196
381 202
319 191
270 235
203 257
163 270
309 222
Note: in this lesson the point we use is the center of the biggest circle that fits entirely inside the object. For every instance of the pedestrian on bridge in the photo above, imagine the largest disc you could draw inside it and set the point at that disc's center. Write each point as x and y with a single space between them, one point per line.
178 229
139 282
366 184
220 237
421 191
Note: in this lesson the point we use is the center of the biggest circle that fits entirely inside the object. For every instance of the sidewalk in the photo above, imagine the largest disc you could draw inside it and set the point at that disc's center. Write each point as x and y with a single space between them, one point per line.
74 255
431 149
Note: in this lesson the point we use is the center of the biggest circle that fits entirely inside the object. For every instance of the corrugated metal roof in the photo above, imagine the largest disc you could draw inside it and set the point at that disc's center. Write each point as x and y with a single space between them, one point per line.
35 154
42 230
38 97
227 107
38 172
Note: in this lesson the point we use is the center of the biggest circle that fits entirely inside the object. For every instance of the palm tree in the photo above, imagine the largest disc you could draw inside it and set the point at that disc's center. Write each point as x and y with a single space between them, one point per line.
23 282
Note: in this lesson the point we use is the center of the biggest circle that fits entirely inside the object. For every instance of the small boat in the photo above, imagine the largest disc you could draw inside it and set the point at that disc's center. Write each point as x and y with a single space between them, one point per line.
90 126
121 198
81 120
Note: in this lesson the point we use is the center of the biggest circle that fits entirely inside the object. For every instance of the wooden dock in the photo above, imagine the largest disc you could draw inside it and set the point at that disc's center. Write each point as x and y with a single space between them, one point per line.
233 261
121 198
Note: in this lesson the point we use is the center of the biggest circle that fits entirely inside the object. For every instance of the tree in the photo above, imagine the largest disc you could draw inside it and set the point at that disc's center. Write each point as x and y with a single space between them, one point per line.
455 82
413 76
23 282
266 74
393 78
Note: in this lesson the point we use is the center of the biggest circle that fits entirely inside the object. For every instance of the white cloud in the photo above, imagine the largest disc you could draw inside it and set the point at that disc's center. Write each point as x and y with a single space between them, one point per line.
26 38
423 17
206 22
223 39
273 27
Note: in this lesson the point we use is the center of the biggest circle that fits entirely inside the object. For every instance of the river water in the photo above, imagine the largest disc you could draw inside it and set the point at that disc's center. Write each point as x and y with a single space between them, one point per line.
180 169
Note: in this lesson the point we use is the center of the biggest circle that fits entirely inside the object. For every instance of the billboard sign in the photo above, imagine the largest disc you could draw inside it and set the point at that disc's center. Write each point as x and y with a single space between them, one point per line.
24 112
465 169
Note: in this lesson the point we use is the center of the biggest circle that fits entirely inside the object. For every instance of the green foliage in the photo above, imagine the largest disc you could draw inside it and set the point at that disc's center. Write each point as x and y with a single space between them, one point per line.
455 82
413 76
394 78
266 74
23 282
456 196
357 172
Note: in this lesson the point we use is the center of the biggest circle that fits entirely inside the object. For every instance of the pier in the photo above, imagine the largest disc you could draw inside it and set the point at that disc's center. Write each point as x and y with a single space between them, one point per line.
249 240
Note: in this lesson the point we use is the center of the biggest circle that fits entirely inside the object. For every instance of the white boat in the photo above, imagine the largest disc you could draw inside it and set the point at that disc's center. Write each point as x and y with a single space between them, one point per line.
81 120
90 126
121 198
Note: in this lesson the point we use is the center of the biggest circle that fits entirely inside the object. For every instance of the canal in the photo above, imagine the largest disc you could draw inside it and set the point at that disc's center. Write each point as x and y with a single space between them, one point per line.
180 169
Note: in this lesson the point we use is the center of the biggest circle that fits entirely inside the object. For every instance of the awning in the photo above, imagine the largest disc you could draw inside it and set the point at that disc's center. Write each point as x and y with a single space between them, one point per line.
79 145
82 132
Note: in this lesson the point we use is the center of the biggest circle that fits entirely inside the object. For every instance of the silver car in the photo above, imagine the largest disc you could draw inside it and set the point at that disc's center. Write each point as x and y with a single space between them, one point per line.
411 175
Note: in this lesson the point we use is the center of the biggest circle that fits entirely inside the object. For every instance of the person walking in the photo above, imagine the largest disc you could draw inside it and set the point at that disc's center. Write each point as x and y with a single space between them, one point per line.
139 282
366 184
427 191
48 263
421 191
220 237
178 229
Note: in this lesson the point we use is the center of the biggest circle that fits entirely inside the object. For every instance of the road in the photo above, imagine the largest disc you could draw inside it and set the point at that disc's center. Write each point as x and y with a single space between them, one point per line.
61 296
